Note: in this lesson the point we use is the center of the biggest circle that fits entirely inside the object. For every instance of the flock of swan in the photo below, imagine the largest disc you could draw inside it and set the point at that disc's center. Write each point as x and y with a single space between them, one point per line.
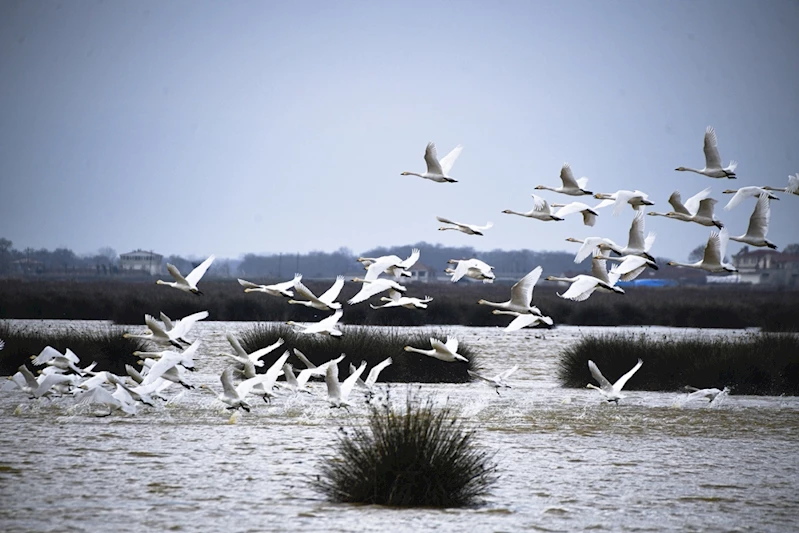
162 369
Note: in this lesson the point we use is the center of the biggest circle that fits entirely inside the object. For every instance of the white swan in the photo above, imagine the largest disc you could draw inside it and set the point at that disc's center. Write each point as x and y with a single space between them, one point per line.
390 264
498 381
582 286
295 383
631 266
374 373
338 393
167 367
570 186
589 215
169 324
521 294
540 211
746 192
157 334
698 208
325 301
636 243
589 244
189 283
316 370
184 358
52 357
710 394
758 225
791 188
438 171
278 289
114 401
620 198
713 258
713 167
468 229
248 362
396 299
444 351
611 393
523 320
326 326
471 268
372 287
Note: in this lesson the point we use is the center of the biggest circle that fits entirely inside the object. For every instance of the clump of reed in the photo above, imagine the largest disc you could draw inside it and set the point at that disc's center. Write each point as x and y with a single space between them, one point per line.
105 346
421 456
757 363
370 344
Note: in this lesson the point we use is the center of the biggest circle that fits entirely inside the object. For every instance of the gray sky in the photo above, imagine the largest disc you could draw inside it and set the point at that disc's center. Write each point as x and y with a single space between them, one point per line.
233 127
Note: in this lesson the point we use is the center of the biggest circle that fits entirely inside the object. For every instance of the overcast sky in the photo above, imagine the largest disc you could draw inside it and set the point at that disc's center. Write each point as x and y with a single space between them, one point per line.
235 127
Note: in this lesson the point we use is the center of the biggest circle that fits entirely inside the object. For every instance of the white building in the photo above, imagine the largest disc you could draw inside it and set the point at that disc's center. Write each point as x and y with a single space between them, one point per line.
142 260
767 267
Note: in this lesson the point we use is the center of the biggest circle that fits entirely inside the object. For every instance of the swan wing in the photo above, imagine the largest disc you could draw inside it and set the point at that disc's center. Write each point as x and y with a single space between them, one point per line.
599 267
305 292
452 344
195 275
411 260
438 346
622 199
712 255
740 194
636 236
155 327
521 294
276 370
623 380
45 355
374 270
460 270
185 324
706 208
692 204
567 177
676 203
539 204
258 354
604 384
522 320
448 221
175 273
374 373
368 290
331 380
712 157
329 296
758 222
571 208
793 184
507 373
234 342
431 158
248 284
305 360
448 160
475 227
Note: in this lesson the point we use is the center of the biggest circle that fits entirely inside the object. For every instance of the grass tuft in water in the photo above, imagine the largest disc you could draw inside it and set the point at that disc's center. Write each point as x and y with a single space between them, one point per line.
370 344
757 364
107 347
417 457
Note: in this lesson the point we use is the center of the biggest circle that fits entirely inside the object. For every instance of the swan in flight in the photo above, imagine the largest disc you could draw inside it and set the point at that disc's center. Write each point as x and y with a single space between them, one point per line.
636 243
622 197
169 324
711 394
611 393
758 225
523 320
116 401
438 170
713 258
589 215
540 211
157 334
471 268
791 188
746 192
698 208
447 351
499 381
372 287
468 229
189 283
582 286
325 301
63 361
374 373
631 266
713 167
293 382
168 367
326 326
521 295
396 299
184 358
390 264
570 186
589 244
278 289
339 393
248 362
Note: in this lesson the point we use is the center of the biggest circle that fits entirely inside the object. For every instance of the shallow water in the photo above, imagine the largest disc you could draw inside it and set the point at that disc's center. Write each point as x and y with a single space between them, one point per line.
567 461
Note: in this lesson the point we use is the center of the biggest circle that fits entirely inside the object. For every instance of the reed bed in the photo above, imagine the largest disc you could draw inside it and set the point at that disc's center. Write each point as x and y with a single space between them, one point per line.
421 456
756 364
105 346
126 303
366 344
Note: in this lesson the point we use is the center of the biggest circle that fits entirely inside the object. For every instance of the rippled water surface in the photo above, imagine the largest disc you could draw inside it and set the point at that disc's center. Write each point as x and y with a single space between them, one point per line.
567 461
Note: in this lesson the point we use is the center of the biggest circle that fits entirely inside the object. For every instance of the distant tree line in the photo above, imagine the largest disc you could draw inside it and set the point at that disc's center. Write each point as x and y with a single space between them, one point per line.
58 261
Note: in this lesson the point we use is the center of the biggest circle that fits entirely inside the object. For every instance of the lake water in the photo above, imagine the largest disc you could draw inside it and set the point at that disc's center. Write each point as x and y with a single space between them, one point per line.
567 461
